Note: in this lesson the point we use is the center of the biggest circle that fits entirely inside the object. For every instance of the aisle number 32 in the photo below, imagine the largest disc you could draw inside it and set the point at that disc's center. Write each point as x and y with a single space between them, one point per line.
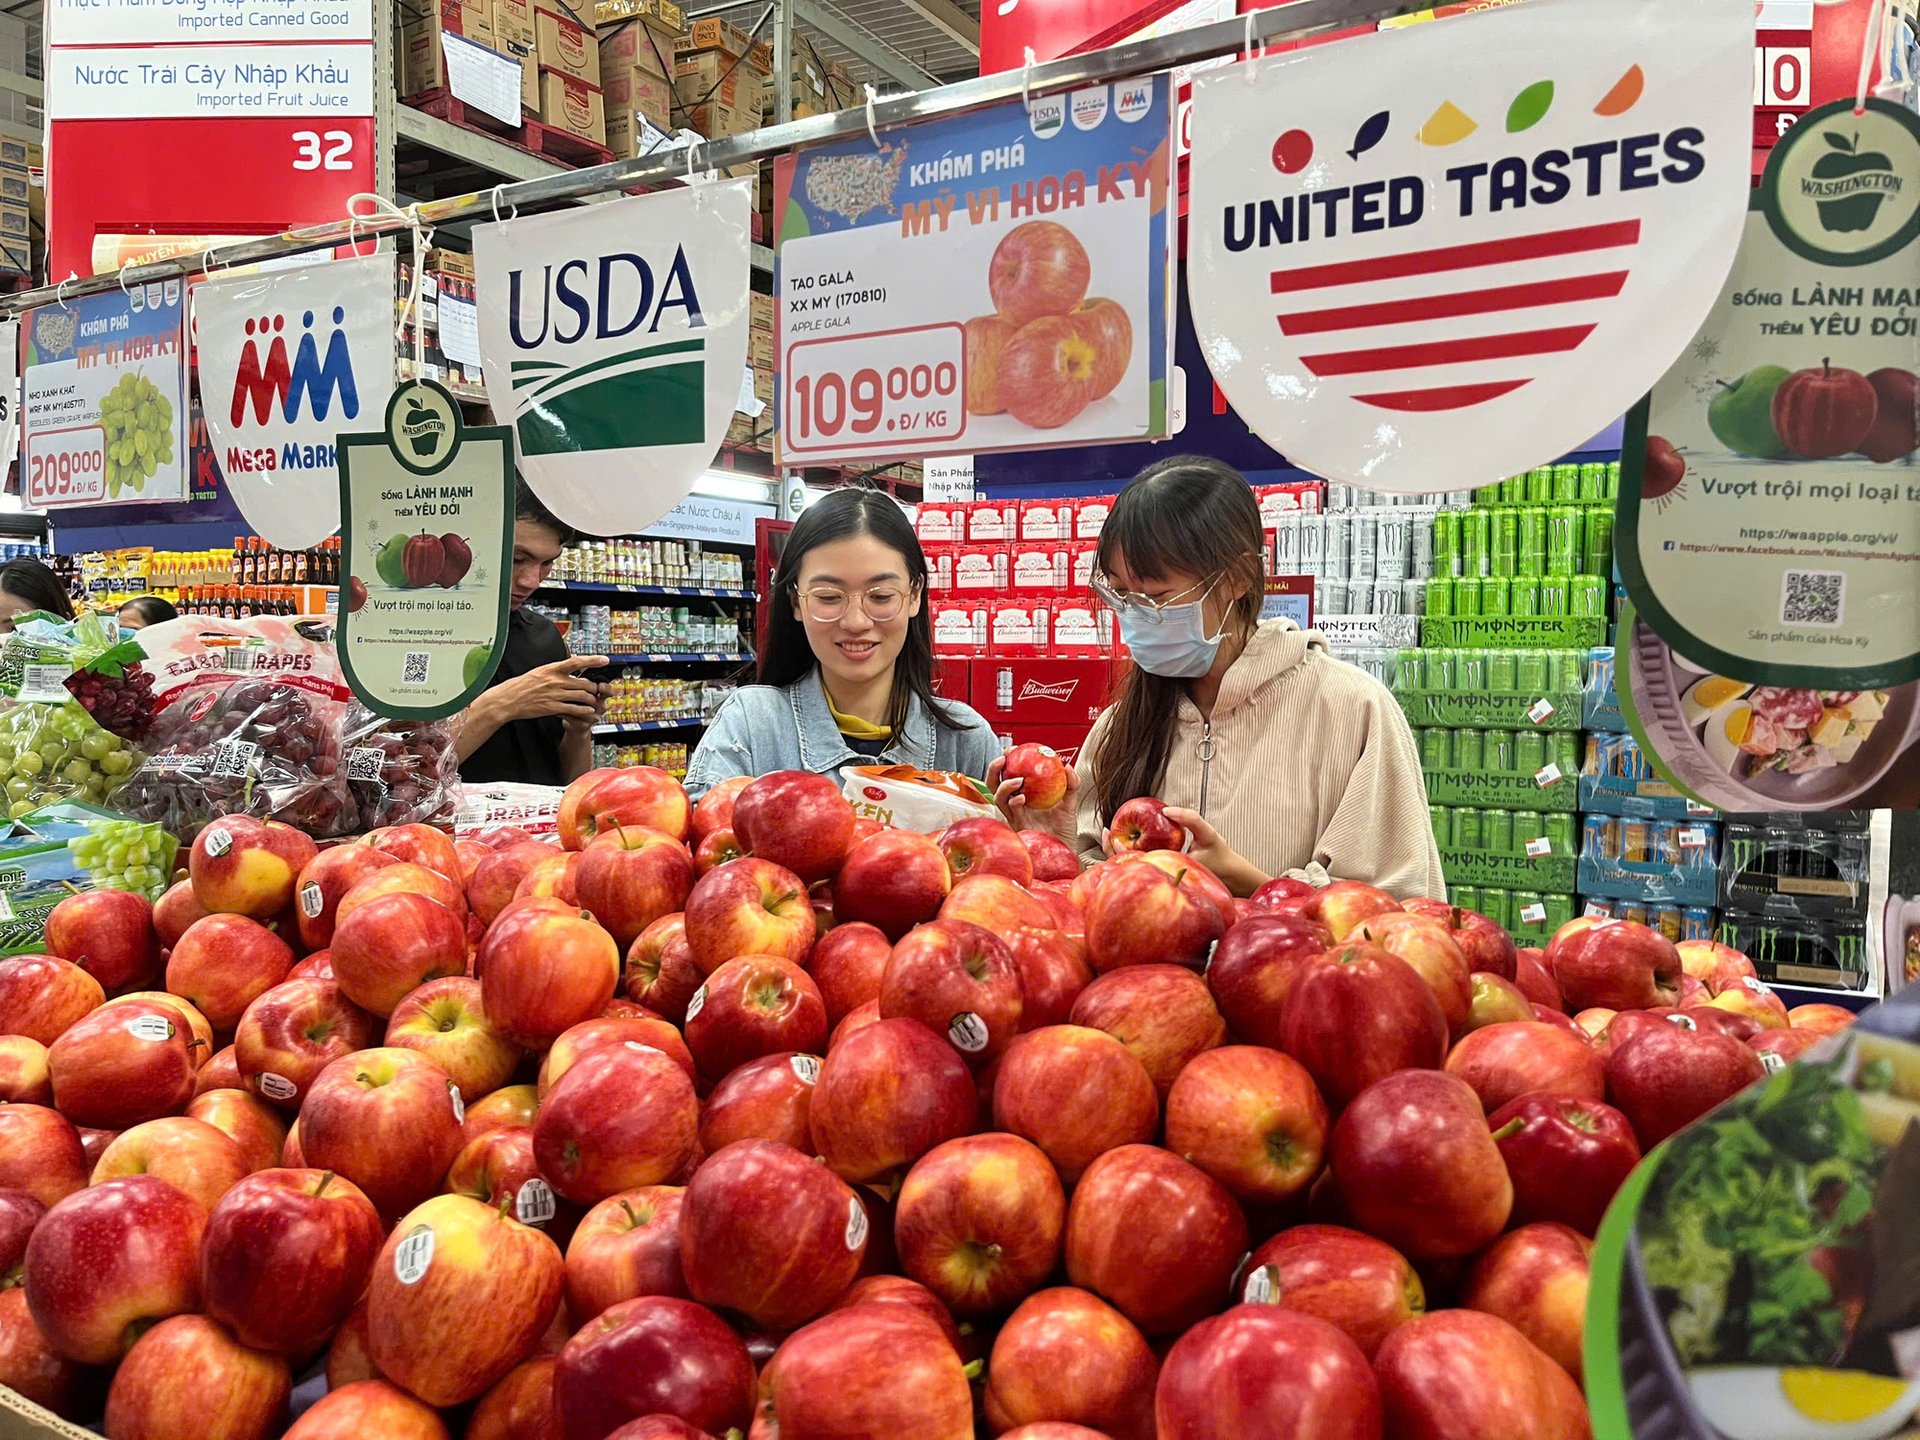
323 150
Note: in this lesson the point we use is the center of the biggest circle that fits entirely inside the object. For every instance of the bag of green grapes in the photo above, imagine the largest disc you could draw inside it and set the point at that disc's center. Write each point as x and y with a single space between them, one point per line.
50 747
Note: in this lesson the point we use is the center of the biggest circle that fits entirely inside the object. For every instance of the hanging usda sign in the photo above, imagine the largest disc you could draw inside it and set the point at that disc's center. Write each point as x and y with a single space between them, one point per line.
612 339
1445 254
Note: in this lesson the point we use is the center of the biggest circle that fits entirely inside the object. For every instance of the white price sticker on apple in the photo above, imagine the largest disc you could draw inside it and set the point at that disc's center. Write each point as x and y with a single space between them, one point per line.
856 1224
533 1203
413 1255
968 1032
150 1027
696 1004
67 467
312 900
1262 1286
1549 774
459 1105
807 1068
276 1087
1533 914
894 392
1539 847
1540 711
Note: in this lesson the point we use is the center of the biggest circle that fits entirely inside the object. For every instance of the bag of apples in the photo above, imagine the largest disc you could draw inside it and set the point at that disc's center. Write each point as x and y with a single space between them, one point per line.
400 772
247 721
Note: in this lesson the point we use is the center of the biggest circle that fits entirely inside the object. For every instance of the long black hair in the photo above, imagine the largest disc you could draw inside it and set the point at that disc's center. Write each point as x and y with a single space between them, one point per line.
787 656
33 582
1185 515
151 609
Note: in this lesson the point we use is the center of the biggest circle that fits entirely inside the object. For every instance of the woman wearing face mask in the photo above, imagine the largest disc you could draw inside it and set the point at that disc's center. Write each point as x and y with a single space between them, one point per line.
846 674
1276 757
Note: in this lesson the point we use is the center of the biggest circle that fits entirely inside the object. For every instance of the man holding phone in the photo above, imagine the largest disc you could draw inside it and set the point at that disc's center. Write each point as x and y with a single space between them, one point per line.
534 722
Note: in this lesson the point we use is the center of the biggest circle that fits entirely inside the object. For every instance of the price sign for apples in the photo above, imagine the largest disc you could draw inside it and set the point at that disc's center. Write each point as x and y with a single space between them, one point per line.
426 515
996 281
1769 526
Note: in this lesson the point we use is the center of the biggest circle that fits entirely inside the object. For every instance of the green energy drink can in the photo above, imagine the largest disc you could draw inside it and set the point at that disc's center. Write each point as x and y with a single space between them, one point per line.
1466 897
1466 593
1442 669
1442 820
1566 751
1495 590
1436 749
1496 752
1593 483
1540 486
1496 832
1410 670
1564 531
1469 749
1503 546
1532 672
1566 484
1440 596
1497 906
1529 752
1589 597
1470 671
1556 596
1501 670
1564 671
1468 832
1474 539
1523 596
1560 834
1559 911
1489 497
1446 542
1613 480
1513 490
1597 558
1530 556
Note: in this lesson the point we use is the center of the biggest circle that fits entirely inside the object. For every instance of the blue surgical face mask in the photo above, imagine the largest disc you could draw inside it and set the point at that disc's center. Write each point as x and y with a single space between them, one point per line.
1171 642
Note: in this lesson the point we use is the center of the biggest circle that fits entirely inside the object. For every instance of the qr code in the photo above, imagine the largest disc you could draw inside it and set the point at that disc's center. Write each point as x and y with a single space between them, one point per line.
363 763
415 670
1813 597
234 757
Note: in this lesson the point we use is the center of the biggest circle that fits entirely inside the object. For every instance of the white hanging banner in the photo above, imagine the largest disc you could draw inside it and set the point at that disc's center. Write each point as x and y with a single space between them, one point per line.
290 360
9 392
1442 255
612 340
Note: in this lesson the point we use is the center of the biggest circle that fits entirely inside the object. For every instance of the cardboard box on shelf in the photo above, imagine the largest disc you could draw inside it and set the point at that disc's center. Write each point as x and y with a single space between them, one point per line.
959 628
660 15
939 566
630 90
513 20
715 121
1019 629
422 62
574 106
1039 567
630 136
951 680
1089 515
1040 691
1080 557
565 46
712 75
1082 629
1046 519
713 33
760 313
763 382
635 44
993 520
760 349
940 523
980 569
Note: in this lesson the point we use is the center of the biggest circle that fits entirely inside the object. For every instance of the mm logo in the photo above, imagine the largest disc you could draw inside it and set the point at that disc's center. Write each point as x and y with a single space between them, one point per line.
272 382
1061 690
614 394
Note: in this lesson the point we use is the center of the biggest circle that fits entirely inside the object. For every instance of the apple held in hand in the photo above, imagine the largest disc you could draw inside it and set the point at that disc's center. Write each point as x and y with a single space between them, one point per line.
978 1222
1461 1372
243 866
1142 824
867 1370
110 935
1357 1014
1360 1285
1042 775
655 1355
460 1295
109 1260
887 1094
625 1247
389 1120
1066 1355
1154 1235
189 1376
749 907
770 1233
1265 1370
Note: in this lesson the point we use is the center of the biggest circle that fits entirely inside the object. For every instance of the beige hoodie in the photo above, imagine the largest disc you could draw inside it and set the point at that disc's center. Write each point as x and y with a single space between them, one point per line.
1313 765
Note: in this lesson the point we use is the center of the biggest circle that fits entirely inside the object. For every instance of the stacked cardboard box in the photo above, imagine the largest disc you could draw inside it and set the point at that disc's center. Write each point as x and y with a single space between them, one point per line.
516 35
422 64
16 209
636 76
662 15
568 53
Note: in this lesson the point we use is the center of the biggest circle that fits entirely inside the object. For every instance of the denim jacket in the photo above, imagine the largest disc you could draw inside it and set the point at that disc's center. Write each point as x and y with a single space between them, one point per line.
764 728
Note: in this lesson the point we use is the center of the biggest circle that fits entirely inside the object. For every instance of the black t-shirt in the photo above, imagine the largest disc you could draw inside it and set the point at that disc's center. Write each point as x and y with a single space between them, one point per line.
522 750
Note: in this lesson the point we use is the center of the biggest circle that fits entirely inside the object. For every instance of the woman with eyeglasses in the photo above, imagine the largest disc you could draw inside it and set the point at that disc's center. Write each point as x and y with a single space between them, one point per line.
846 673
1276 757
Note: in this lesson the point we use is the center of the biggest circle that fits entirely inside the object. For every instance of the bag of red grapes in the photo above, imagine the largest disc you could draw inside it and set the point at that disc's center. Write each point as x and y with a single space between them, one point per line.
400 772
247 720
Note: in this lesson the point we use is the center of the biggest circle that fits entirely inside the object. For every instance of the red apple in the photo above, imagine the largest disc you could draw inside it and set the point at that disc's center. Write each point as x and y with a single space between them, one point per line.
1142 824
1667 1077
715 810
41 1153
654 1355
24 1077
1164 1014
1053 972
244 866
1536 1280
993 902
122 1064
886 1095
388 1119
1105 326
386 949
550 879
1076 1093
847 965
1065 1355
748 907
660 970
1052 858
446 1021
254 1126
1043 778
174 911
1357 1014
199 1029
110 935
1267 1370
985 845
107 1261
20 1215
499 1170
638 795
766 1099
1364 1287
1154 1235
1714 965
1039 268
1344 904
1783 1045
958 980
189 1376
894 881
868 1370
1429 947
1616 964
224 963
41 997
510 1105
31 1368
496 880
1144 915
1821 1019
721 847
986 337
1414 1164
797 820
317 966
646 1030
1823 413
1253 970
521 1406
770 1233
1495 1002
1505 1061
461 1294
978 1222
544 971
1252 1119
1752 998
627 1246
324 882
368 1407
878 1289
1282 895
623 1116
292 1033
402 878
1536 982
199 1161
222 1072
630 877
287 1252
1461 1372
753 1006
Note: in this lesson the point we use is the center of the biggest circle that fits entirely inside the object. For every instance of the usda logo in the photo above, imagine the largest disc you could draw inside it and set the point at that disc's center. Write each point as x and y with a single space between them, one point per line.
1047 115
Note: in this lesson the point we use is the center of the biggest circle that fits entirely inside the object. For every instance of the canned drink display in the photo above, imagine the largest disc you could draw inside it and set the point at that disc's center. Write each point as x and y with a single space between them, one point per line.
1339 596
1497 752
1566 528
1441 818
1530 541
1668 922
1632 910
1420 546
1663 843
1503 544
1494 593
1386 597
1393 538
1556 596
1363 546
1566 484
1475 528
1502 669
1468 831
1465 897
1532 672
1696 924
1559 911
1540 486
1443 669
1599 838
1634 837
1603 754
1496 831
1471 670
1439 592
1410 670
1589 597
1469 749
1498 906
1339 496
1565 749
1446 542
1529 752
1413 597
1436 749
1338 557
1313 544
1491 496
1559 828
1523 596
1613 480
1513 490
1597 550
1466 594
1593 483
1564 672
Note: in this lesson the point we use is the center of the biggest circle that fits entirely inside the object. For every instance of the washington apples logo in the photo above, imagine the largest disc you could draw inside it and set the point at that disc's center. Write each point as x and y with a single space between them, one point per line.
1436 259
1844 189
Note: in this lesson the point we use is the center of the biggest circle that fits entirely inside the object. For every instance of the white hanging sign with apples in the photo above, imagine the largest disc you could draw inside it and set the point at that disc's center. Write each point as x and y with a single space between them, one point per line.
1769 525
1445 254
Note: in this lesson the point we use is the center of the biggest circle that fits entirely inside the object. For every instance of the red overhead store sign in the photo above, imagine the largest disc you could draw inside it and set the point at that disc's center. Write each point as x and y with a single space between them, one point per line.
1052 28
221 119
1782 72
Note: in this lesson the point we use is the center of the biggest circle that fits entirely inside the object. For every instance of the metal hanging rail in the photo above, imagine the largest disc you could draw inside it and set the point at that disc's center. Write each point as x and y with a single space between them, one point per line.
1296 20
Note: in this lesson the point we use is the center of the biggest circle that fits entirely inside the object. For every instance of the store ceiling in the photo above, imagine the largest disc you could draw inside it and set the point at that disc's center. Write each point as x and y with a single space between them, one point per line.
938 38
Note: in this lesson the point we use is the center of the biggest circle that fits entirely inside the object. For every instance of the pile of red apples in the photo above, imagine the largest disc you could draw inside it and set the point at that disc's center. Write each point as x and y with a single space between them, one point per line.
753 1118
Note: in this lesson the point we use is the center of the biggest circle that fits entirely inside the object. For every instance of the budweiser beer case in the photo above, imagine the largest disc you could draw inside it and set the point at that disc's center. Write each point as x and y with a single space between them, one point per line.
1040 691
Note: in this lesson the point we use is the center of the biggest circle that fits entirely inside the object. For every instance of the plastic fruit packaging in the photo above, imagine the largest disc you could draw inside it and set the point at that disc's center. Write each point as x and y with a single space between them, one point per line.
248 722
50 747
108 679
400 772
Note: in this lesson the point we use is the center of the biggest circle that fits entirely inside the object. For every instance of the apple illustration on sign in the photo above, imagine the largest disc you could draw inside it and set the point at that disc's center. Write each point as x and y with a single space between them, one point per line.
1663 469
1741 415
1825 412
1851 209
1896 426
356 594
